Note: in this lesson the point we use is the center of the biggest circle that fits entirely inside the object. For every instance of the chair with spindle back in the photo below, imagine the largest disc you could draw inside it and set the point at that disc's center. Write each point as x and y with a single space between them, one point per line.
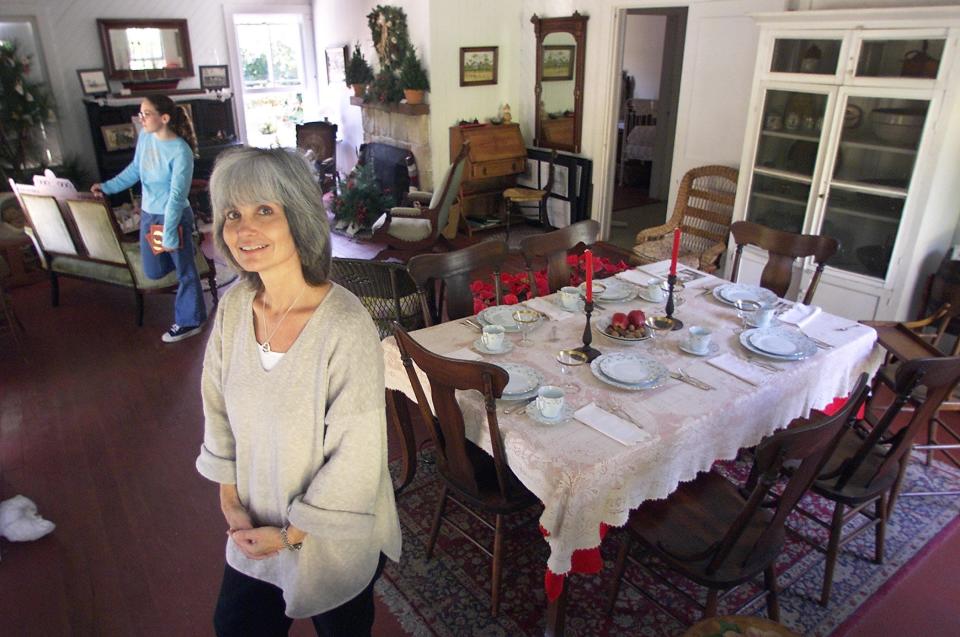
718 536
472 478
784 249
554 246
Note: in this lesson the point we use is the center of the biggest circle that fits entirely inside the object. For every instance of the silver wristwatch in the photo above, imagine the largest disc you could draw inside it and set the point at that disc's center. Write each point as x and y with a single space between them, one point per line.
286 541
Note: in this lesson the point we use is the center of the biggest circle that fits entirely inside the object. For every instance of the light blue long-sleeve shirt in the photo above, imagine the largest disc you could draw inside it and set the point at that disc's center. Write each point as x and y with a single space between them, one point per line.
165 168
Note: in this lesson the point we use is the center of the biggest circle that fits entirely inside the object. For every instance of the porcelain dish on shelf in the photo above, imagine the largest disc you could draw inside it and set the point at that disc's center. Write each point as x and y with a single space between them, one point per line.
483 349
778 343
733 292
627 365
615 290
712 349
501 315
603 323
566 413
523 380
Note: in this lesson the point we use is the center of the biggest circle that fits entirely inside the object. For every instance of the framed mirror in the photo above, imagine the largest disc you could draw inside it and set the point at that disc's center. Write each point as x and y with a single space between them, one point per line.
146 50
561 51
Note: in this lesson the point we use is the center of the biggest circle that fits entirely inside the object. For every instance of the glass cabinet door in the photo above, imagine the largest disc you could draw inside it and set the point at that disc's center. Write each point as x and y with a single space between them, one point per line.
786 157
872 171
808 56
900 58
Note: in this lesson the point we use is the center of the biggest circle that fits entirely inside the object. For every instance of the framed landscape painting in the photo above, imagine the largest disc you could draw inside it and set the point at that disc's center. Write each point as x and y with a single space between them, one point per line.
478 65
557 63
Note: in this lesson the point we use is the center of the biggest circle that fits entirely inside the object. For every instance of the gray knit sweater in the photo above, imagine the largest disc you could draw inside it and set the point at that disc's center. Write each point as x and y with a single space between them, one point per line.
305 443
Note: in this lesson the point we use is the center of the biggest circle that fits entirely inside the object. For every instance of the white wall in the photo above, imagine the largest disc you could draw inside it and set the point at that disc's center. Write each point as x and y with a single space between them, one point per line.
643 53
70 40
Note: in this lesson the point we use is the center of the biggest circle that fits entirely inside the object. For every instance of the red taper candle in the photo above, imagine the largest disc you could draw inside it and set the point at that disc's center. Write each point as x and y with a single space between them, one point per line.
676 252
588 255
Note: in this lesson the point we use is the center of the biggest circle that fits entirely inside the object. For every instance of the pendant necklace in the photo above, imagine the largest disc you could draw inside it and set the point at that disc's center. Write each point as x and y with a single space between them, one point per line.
263 305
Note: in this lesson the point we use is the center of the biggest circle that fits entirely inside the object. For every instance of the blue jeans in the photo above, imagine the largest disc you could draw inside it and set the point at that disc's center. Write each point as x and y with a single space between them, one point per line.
188 308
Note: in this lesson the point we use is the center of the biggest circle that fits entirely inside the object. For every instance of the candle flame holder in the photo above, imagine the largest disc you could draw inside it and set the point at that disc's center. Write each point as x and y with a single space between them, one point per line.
667 322
590 352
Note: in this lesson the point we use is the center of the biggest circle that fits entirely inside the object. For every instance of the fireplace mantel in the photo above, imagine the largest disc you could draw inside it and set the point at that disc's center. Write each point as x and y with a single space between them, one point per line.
406 109
406 126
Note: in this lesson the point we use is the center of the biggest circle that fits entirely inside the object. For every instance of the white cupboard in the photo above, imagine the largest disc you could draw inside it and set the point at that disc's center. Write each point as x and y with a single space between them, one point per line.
854 132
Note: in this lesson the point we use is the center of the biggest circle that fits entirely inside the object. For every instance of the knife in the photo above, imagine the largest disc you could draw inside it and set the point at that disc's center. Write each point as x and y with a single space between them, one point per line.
690 381
516 407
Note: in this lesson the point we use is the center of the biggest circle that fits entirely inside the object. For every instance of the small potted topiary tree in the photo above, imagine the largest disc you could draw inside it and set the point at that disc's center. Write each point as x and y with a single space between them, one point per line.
358 73
414 78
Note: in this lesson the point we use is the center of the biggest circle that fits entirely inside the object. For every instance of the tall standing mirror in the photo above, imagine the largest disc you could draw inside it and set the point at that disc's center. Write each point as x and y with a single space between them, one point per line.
561 51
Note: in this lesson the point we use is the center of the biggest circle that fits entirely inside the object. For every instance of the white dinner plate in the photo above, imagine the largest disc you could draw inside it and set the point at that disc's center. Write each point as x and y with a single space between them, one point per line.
483 349
566 413
802 347
733 292
595 369
615 290
501 315
629 368
523 380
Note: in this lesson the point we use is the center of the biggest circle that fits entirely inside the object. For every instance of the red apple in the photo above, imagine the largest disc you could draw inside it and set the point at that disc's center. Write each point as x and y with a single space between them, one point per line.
619 320
636 318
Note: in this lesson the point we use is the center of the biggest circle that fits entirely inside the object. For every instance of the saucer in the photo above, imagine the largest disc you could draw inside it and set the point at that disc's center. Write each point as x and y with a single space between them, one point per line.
483 349
646 297
566 413
710 351
774 322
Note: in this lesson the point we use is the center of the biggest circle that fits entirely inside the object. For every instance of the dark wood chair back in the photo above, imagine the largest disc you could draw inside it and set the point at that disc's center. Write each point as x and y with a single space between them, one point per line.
447 376
554 246
444 279
321 138
809 444
385 289
783 248
936 378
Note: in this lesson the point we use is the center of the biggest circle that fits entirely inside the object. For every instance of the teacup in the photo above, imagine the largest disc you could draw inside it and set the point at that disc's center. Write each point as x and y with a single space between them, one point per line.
550 401
492 337
653 290
698 339
569 297
763 316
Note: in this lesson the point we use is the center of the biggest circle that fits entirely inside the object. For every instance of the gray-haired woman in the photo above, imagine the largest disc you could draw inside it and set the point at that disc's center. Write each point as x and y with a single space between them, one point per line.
295 427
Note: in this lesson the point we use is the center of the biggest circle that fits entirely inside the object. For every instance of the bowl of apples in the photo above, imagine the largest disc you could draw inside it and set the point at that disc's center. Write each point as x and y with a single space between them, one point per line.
629 327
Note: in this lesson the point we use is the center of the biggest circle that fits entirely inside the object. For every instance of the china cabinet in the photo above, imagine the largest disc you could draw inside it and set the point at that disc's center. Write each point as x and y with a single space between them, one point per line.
852 113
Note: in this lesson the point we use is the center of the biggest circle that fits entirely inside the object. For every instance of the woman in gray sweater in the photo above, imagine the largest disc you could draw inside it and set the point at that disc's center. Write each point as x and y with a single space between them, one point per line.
295 426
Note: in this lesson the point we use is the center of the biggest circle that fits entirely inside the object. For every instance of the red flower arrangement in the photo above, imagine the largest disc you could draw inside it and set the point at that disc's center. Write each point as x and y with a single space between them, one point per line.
516 287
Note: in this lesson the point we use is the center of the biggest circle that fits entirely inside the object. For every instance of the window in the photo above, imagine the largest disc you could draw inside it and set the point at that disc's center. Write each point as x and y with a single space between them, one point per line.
146 49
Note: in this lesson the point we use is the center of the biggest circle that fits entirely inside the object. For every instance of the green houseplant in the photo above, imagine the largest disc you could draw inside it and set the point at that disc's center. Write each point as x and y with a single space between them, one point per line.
413 78
24 107
361 201
358 72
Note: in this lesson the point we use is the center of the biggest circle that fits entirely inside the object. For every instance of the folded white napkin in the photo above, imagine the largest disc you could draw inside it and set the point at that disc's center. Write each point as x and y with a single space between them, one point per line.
801 315
637 277
739 368
464 353
552 310
621 430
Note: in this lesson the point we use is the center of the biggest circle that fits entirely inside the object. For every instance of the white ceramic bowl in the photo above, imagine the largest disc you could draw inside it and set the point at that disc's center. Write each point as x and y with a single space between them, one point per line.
898 125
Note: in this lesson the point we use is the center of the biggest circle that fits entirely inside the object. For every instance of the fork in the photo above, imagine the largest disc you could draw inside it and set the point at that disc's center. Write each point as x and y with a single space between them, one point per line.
617 406
761 364
473 324
684 377
847 327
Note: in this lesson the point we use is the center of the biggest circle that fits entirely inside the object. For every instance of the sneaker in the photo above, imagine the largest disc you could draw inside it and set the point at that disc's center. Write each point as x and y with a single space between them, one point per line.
178 333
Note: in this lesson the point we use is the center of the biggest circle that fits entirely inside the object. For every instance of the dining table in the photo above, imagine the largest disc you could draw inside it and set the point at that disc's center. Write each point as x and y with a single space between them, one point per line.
626 444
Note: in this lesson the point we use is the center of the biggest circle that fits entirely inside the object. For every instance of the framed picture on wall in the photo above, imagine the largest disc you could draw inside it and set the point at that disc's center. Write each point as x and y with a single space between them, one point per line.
478 65
336 64
214 77
557 63
93 81
119 137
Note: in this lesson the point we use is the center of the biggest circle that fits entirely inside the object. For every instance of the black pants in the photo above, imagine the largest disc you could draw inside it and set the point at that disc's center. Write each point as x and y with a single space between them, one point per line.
248 606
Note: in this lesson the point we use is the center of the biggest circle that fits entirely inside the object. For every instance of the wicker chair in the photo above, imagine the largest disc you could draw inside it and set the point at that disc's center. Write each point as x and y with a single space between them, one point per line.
385 289
703 210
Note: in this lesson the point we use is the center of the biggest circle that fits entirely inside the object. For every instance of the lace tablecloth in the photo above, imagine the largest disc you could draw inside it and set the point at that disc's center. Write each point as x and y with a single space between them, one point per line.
584 478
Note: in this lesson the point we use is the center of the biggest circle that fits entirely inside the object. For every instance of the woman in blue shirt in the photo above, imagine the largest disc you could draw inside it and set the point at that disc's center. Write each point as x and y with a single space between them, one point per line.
163 164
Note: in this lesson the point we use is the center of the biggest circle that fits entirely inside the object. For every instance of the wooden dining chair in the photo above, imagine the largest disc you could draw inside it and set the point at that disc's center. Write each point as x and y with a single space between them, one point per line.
554 247
867 466
783 248
720 536
472 479
444 279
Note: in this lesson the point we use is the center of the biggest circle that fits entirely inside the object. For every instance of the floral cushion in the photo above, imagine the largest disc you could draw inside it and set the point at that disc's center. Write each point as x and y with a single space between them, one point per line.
659 250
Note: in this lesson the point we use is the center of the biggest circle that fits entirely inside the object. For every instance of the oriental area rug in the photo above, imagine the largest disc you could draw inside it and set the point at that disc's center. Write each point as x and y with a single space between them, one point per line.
449 595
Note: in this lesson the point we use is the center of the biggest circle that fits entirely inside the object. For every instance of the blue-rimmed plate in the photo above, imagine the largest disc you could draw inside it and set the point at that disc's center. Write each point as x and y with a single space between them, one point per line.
778 343
655 377
524 380
501 315
615 290
733 292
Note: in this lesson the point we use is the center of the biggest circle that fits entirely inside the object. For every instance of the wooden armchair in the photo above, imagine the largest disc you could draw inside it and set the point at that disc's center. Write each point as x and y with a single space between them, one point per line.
554 246
703 211
418 228
321 138
76 235
783 249
472 479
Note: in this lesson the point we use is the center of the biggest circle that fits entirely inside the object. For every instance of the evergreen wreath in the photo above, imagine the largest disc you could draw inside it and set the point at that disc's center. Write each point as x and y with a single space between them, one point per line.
391 39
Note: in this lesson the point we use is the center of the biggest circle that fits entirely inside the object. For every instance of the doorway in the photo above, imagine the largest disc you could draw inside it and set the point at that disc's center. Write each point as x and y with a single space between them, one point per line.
649 77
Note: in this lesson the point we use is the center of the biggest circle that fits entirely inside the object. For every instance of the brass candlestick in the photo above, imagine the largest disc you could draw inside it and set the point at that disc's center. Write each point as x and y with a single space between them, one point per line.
590 352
